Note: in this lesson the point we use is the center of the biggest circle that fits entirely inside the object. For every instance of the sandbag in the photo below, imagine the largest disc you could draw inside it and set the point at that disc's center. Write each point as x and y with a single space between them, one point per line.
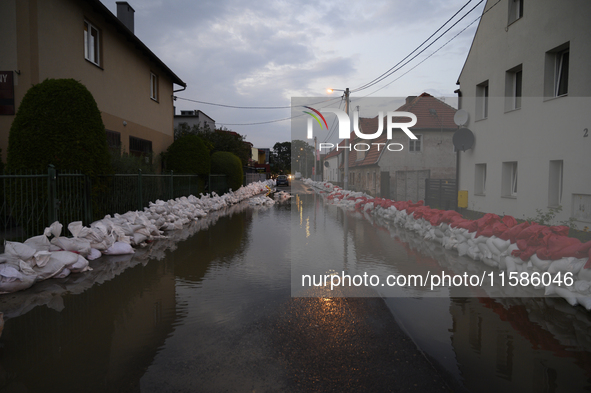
19 250
119 248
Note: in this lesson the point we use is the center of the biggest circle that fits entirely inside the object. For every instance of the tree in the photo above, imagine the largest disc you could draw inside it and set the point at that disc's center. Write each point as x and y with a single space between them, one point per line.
59 123
226 163
218 140
302 155
281 157
188 154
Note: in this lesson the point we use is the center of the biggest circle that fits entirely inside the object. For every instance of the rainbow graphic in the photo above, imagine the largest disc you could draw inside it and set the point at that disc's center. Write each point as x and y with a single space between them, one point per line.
314 116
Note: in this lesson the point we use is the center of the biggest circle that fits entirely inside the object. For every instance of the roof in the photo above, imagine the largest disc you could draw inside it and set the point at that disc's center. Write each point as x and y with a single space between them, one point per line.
100 8
422 106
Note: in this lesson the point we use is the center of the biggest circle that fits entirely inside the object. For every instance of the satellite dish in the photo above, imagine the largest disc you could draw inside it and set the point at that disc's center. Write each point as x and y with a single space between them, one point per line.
326 164
461 117
463 139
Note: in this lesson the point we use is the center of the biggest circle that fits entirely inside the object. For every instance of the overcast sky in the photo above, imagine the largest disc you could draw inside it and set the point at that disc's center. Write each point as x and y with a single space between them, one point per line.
264 52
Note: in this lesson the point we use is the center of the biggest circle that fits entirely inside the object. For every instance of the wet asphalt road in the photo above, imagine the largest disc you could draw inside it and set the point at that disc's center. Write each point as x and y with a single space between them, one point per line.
346 345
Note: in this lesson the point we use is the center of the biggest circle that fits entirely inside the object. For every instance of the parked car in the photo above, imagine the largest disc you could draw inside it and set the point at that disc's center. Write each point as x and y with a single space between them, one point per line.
282 180
298 175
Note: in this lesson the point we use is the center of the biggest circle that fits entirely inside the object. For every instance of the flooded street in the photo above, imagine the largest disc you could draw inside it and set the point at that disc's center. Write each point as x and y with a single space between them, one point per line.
211 309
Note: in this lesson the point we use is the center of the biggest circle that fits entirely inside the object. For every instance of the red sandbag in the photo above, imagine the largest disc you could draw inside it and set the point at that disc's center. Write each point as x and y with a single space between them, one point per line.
499 228
516 230
530 231
510 221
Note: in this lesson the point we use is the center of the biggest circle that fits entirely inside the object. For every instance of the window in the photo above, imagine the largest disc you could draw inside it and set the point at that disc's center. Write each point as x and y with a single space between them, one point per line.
140 148
513 88
480 179
153 86
515 10
561 73
556 71
91 43
416 144
555 183
509 179
482 101
113 140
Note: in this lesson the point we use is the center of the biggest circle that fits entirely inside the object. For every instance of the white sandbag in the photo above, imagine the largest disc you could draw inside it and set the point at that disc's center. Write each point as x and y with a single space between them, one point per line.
119 248
582 286
462 248
585 274
510 249
54 266
510 263
41 258
39 243
490 262
11 280
484 250
138 238
540 264
474 253
81 246
567 295
585 301
26 268
19 250
490 243
94 254
501 244
81 265
63 274
54 229
567 265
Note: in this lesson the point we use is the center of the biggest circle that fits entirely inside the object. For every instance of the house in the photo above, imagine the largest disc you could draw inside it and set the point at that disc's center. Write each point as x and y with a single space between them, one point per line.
400 172
194 118
525 85
83 40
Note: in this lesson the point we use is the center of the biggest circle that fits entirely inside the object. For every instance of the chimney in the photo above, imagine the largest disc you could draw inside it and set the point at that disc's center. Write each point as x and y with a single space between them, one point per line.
125 14
409 99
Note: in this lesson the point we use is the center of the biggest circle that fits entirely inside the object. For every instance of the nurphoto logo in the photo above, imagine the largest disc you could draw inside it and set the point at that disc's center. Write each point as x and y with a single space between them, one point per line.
392 122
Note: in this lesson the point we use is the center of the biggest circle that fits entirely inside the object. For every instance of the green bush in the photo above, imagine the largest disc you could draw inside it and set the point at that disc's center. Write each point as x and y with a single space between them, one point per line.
59 123
188 154
226 163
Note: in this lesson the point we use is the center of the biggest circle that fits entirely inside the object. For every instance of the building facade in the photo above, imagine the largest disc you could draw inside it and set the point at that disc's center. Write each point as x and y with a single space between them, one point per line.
399 172
83 40
526 85
194 117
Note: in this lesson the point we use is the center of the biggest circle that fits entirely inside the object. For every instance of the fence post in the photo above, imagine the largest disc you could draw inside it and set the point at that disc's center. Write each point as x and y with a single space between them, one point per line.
171 184
87 200
51 195
140 205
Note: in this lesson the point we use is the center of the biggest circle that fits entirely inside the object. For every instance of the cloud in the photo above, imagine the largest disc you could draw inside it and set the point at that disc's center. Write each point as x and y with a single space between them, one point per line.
263 53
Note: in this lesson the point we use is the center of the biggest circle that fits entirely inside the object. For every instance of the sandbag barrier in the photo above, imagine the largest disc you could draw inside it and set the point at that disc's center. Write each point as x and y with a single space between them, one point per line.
52 255
497 242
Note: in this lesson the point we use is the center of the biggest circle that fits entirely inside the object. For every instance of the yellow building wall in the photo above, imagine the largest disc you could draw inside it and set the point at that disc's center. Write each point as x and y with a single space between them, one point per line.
50 44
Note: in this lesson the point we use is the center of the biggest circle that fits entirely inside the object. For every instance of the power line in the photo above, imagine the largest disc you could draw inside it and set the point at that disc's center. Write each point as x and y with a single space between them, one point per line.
394 69
437 50
247 107
276 120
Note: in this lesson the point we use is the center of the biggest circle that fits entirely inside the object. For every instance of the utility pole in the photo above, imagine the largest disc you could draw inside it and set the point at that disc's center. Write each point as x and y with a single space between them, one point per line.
346 163
315 156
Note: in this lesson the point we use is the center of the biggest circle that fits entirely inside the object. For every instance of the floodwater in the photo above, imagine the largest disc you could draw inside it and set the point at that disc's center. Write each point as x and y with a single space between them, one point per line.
192 313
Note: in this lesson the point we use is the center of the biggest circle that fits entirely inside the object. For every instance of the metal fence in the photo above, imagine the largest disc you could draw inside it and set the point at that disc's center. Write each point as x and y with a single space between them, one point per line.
31 201
441 194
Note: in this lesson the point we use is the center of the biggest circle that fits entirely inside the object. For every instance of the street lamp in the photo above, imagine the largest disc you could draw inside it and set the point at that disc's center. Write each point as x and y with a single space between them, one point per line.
346 159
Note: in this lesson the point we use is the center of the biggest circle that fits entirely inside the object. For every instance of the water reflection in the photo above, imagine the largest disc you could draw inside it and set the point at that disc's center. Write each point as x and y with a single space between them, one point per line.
517 344
101 340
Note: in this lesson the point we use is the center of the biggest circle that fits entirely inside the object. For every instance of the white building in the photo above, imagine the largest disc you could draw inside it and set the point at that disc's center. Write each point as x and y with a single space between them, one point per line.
526 84
194 117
